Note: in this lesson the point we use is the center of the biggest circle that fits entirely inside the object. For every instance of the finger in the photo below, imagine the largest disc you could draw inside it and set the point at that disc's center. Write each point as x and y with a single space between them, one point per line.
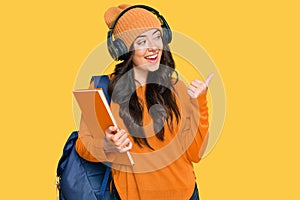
130 145
200 85
196 83
210 76
127 148
123 137
109 132
111 129
193 86
122 140
192 94
118 135
123 147
125 143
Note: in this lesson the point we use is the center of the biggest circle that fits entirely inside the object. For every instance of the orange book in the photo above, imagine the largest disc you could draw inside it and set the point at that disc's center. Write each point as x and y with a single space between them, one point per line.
96 111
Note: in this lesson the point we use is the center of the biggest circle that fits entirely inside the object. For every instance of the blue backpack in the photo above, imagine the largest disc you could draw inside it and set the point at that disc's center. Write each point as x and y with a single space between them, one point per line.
77 178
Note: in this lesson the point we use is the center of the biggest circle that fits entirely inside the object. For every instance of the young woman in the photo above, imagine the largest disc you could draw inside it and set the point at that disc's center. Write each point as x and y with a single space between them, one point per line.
163 123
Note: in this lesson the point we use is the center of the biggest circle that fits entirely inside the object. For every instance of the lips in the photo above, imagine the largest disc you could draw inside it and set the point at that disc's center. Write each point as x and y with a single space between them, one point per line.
152 58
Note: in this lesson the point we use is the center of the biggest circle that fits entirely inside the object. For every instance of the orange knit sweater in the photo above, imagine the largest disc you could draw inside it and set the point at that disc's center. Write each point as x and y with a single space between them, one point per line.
165 173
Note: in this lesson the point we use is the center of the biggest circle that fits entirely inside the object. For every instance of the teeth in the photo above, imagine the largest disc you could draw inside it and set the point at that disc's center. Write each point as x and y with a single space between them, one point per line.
151 57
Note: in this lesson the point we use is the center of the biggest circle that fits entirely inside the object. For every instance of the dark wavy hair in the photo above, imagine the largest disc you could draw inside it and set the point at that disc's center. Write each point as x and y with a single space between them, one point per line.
160 97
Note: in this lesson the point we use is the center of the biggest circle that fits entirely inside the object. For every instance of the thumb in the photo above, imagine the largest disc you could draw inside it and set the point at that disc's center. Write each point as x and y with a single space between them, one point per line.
210 76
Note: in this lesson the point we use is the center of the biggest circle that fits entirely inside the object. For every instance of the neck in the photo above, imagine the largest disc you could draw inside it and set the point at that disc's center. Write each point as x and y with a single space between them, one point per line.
140 76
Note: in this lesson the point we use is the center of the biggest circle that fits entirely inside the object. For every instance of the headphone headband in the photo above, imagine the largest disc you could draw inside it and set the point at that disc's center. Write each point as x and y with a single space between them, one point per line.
155 12
117 48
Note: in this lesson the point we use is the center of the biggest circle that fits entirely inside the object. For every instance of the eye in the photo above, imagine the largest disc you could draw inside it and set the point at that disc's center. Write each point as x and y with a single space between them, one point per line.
157 37
141 42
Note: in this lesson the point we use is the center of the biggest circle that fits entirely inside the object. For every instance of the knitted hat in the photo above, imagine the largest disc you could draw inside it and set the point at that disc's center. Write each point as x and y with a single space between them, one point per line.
132 23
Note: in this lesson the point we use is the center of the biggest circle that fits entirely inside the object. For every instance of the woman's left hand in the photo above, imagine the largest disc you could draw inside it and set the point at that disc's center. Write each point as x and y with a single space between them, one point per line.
197 87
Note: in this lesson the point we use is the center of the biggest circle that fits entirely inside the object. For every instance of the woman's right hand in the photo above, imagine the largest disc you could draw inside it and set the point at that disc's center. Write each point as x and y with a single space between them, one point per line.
116 140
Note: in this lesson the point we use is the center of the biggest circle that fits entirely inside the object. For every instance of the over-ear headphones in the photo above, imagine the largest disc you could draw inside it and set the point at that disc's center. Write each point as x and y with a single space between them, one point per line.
117 47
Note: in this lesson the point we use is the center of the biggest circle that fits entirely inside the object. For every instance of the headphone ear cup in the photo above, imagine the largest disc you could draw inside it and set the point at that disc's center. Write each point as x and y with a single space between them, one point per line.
112 52
167 34
120 49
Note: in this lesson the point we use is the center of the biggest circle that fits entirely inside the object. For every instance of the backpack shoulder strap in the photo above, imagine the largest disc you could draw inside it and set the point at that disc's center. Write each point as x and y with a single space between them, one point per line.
99 82
66 152
102 82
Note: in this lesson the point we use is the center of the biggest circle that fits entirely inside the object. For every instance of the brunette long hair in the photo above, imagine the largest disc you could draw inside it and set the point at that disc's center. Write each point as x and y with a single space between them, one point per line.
159 94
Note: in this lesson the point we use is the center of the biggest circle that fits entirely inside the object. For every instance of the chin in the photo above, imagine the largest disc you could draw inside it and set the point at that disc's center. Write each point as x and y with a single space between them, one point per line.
153 68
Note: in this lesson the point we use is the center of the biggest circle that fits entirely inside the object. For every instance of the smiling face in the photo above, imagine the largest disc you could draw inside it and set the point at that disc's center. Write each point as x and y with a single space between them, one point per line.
147 53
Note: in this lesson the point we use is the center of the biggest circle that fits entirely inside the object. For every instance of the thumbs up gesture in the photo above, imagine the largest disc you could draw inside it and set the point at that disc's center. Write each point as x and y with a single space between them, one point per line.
197 87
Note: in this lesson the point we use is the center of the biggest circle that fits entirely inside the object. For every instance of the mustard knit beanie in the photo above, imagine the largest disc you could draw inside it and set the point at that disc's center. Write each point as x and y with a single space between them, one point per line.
133 23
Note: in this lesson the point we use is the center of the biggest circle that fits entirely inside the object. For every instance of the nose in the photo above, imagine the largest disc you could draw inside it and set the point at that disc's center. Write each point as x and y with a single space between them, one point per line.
153 45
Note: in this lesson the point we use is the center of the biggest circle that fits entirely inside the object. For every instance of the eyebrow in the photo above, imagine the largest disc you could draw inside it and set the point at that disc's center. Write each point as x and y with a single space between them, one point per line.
145 35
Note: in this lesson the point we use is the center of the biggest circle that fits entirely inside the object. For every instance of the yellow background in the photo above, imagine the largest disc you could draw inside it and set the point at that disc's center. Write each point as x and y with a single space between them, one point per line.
255 45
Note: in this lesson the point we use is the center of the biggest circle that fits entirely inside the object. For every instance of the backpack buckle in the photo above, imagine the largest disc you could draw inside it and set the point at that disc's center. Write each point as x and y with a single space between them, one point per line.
57 182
